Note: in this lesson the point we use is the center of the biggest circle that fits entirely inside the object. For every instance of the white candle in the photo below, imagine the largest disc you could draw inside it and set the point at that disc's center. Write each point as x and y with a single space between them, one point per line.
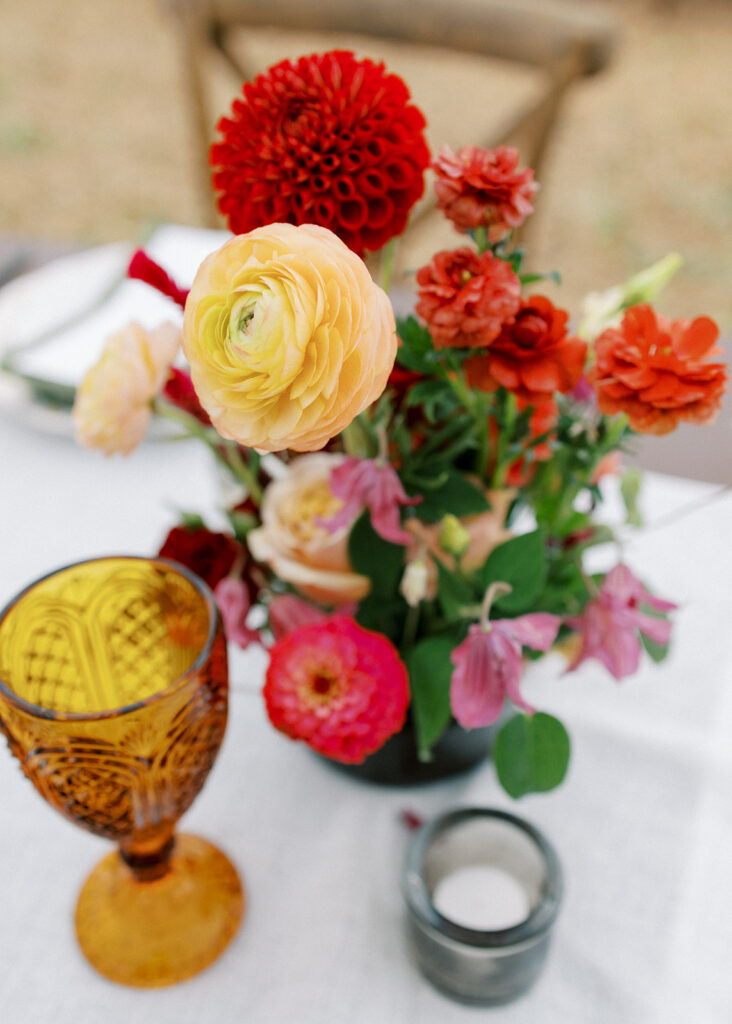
482 897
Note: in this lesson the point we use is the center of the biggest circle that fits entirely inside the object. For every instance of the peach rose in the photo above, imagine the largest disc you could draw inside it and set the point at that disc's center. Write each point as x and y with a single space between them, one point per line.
486 531
293 543
113 404
287 336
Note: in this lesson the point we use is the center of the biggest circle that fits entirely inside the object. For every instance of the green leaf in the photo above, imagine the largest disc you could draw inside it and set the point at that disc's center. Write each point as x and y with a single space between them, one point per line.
192 521
656 652
531 754
454 593
379 559
552 275
451 493
520 562
241 523
630 486
416 346
430 669
383 615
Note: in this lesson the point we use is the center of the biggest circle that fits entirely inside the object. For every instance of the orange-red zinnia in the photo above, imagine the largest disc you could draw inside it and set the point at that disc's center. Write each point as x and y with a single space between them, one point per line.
659 371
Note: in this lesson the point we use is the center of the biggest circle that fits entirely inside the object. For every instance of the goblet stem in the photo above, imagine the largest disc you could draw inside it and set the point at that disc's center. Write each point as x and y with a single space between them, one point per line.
149 859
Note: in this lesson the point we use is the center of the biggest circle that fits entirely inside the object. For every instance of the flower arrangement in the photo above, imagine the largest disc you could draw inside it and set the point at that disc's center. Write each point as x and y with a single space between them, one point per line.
417 496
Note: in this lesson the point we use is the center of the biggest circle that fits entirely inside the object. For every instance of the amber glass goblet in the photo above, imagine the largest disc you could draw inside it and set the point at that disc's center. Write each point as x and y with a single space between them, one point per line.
113 697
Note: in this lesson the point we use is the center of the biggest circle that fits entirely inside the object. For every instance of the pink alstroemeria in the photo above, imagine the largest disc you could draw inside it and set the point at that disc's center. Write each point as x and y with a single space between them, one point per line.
372 484
610 624
488 665
288 612
232 598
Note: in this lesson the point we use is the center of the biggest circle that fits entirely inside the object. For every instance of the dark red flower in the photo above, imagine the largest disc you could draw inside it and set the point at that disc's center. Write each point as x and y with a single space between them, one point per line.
179 391
465 298
142 268
659 371
328 140
340 688
483 188
210 555
533 356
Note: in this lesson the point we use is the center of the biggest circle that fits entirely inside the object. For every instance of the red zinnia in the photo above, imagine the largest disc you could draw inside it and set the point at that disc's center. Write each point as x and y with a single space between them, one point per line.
465 298
658 371
533 357
328 140
340 688
483 188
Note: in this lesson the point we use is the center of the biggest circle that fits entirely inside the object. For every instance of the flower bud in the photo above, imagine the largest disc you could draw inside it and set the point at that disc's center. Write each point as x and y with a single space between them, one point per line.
454 538
413 586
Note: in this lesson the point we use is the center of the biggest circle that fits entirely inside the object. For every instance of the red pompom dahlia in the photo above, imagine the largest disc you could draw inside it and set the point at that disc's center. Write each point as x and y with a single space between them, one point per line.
340 688
327 140
465 298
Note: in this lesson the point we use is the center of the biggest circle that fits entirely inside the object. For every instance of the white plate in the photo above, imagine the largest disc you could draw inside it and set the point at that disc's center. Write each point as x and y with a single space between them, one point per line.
55 320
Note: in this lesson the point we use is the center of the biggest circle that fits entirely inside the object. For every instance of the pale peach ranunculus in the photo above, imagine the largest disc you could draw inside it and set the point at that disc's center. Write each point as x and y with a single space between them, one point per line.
294 544
486 531
113 404
287 336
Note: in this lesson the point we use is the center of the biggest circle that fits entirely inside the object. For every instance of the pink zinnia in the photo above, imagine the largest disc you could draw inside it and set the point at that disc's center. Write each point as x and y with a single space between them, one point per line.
484 188
488 666
340 688
465 298
371 484
610 624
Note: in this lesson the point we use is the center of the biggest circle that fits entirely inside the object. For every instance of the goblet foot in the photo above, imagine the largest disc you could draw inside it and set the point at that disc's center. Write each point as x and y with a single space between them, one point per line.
150 934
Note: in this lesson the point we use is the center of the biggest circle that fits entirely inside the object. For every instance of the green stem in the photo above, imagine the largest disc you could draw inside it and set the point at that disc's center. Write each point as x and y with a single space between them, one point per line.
480 234
411 624
242 471
388 258
226 452
496 589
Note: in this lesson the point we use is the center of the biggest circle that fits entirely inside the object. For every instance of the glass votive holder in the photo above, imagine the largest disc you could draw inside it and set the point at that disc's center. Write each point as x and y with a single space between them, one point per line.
482 889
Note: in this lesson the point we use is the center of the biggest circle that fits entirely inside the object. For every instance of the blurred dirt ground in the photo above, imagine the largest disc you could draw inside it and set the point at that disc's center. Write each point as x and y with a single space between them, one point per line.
95 142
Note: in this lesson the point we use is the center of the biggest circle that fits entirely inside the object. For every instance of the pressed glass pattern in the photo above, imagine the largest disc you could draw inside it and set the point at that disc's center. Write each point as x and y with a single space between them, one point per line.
113 697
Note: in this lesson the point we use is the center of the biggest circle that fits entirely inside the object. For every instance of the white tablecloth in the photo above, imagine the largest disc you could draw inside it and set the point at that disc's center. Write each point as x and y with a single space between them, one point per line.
643 823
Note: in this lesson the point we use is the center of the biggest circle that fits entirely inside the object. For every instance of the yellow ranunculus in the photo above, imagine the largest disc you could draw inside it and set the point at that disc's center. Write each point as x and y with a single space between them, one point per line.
287 336
113 404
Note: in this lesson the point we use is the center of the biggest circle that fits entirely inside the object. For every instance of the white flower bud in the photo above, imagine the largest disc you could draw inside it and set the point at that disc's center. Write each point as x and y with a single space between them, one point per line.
413 586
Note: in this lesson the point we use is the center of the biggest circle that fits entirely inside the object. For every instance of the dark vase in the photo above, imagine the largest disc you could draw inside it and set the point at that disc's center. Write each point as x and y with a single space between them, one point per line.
396 763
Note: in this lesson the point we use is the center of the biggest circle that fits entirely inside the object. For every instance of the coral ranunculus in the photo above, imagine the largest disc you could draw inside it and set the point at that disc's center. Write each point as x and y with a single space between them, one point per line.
483 188
295 545
465 299
287 336
533 356
340 688
327 140
659 371
113 405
